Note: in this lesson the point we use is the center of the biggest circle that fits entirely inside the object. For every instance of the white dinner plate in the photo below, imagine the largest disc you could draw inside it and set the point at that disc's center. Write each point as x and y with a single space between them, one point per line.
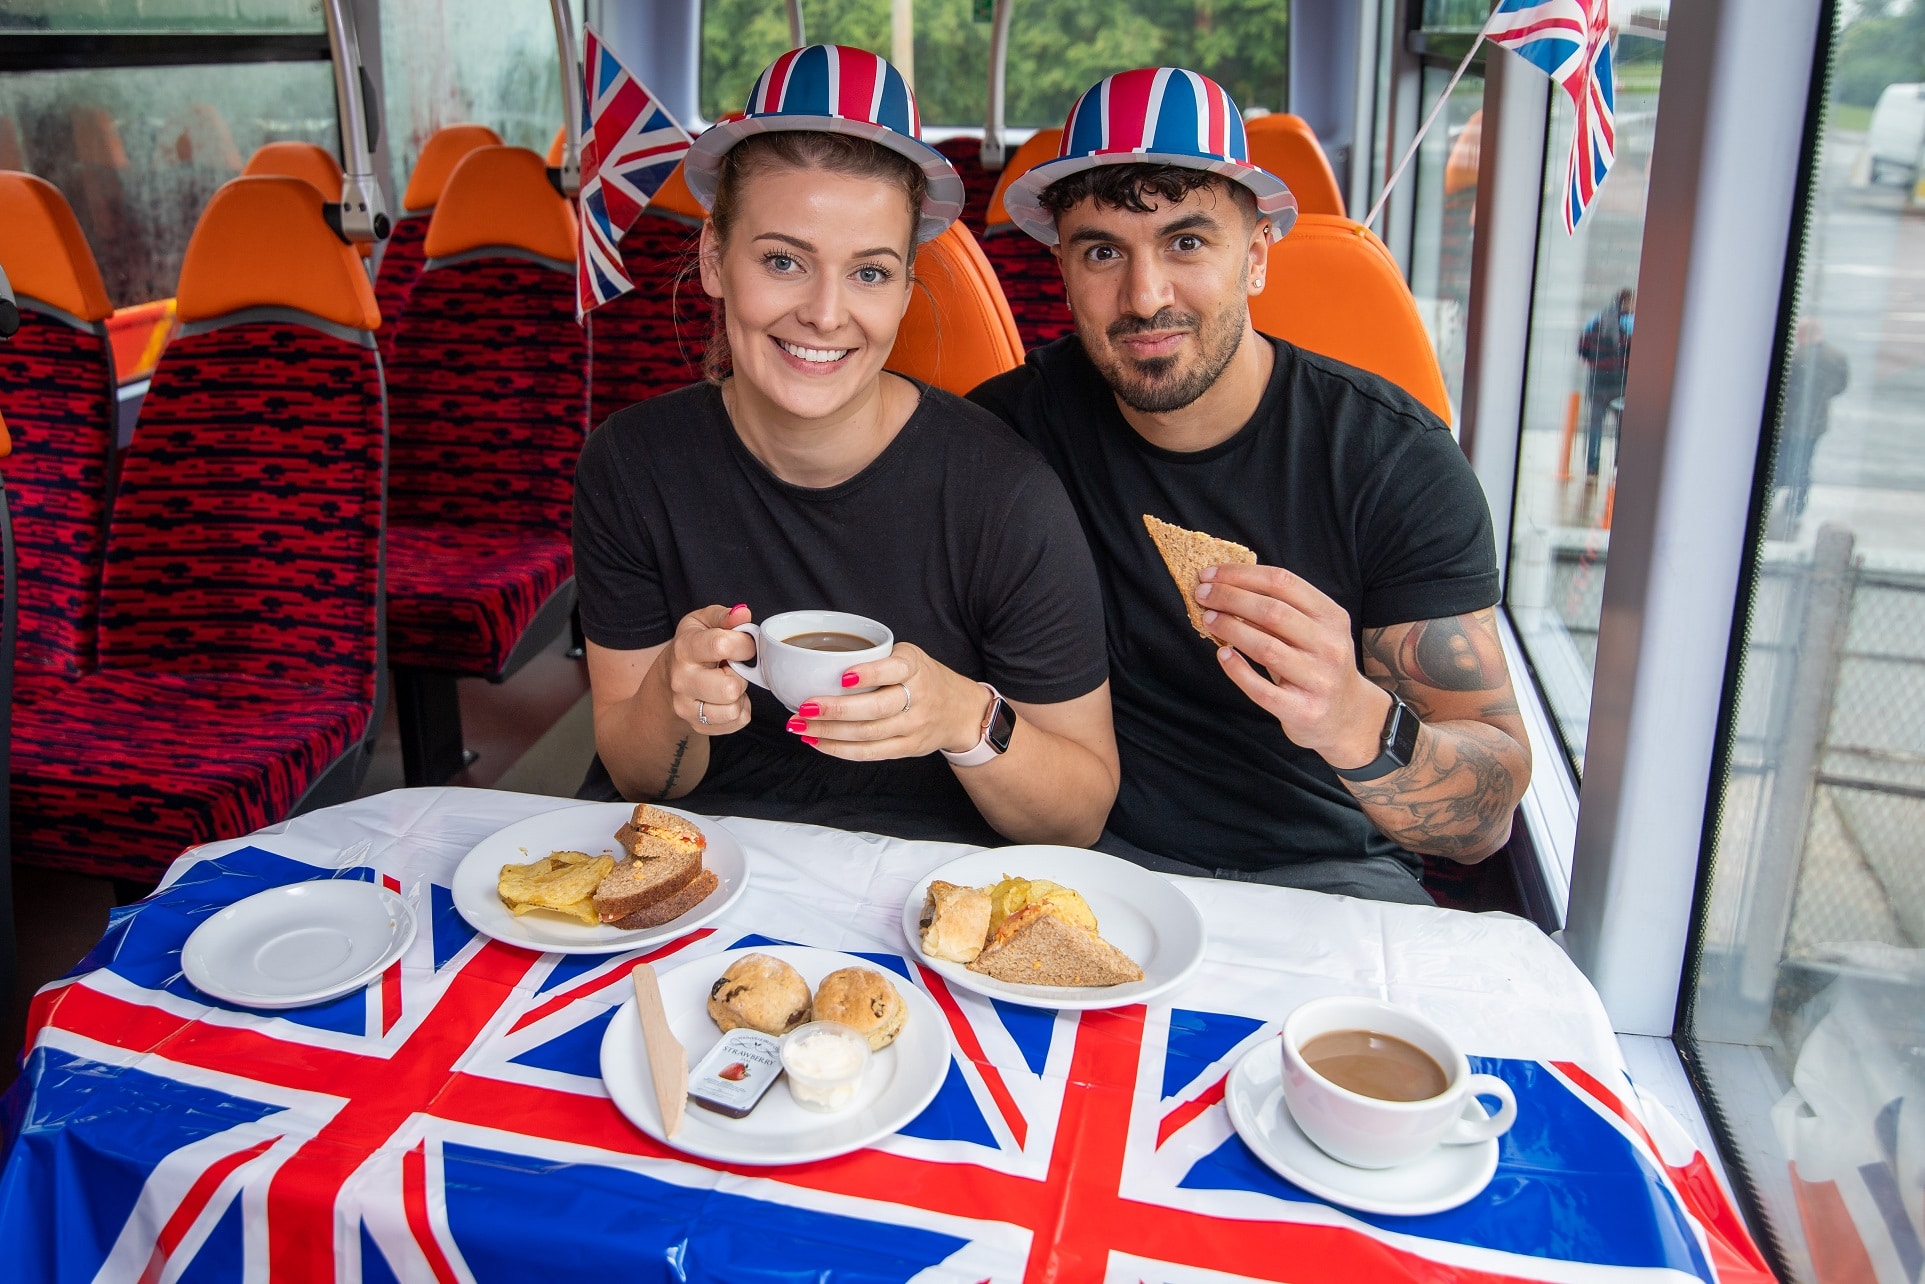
1137 910
586 827
1434 1183
292 946
901 1079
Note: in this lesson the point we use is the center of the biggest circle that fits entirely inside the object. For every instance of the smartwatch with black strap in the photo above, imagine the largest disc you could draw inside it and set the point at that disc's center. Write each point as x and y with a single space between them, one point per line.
1398 744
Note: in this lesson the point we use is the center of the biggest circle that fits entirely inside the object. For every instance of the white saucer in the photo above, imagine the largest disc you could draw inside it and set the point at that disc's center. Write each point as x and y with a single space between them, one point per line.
1441 1180
1137 910
292 946
901 1079
585 827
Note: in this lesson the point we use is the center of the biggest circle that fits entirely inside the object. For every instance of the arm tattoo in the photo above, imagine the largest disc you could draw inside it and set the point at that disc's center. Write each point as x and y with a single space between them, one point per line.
1458 788
1440 653
674 770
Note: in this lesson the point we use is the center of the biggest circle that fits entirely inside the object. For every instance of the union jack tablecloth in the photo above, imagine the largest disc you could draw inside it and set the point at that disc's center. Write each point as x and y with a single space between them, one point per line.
449 1123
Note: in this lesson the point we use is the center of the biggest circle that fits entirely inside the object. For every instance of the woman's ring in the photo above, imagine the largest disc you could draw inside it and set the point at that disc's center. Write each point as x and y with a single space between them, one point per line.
908 697
701 715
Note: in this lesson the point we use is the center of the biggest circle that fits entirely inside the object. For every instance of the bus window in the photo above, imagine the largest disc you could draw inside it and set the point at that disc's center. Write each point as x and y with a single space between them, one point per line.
1583 313
1057 49
443 64
171 16
1808 1010
139 150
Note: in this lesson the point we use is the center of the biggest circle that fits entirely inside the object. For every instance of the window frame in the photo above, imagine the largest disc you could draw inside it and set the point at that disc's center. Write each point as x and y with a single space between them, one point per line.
79 51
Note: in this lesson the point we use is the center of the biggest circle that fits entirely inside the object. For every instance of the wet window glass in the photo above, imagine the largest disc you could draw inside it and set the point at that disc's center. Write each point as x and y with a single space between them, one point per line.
443 67
139 150
161 15
1056 49
1807 1013
1583 325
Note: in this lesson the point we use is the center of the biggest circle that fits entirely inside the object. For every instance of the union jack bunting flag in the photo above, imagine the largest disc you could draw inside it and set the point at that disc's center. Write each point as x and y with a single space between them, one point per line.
1570 41
629 147
451 1124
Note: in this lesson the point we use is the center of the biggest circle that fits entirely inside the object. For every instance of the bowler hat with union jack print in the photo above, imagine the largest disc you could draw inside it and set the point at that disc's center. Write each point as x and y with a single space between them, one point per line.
1151 116
837 90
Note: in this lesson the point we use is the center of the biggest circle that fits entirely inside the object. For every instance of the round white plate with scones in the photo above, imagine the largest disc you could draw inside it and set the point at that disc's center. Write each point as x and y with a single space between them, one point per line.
898 1082
1138 912
650 887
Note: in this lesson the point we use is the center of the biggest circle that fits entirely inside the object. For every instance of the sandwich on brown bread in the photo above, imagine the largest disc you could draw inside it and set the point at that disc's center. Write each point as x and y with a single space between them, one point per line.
652 832
1186 553
648 893
1036 945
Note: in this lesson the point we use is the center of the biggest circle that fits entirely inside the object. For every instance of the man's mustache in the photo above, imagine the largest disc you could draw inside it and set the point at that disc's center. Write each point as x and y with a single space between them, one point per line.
1166 319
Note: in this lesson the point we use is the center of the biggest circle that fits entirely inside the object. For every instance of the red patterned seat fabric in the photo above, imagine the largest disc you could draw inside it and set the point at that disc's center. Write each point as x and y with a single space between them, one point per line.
400 265
488 405
1033 285
125 769
237 617
651 340
471 592
56 396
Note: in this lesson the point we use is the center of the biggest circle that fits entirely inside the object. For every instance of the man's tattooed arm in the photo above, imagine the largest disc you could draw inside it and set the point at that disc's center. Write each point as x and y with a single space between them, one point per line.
1472 760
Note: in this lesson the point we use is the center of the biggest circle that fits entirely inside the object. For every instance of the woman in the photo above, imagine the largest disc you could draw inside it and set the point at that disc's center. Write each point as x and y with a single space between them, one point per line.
800 476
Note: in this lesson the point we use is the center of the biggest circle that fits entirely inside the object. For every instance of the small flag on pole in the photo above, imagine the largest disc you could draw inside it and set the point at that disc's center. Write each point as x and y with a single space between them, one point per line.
629 147
1570 41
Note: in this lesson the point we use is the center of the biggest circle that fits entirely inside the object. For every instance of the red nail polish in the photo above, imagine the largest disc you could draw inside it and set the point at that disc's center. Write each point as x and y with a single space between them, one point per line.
810 709
850 679
739 606
809 741
796 724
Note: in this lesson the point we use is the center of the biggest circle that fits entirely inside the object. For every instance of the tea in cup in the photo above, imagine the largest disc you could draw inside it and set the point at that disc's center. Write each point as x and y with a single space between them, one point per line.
1375 1085
801 655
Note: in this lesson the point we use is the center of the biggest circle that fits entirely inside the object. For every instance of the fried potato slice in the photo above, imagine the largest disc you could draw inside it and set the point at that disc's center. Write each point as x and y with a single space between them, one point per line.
1014 894
562 881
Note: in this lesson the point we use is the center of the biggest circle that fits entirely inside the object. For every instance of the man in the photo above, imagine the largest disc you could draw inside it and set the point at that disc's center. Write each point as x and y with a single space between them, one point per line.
1605 346
1819 372
1372 534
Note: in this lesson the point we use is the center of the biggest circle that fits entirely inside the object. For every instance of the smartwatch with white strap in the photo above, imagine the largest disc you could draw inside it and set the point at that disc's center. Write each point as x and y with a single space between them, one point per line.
998 724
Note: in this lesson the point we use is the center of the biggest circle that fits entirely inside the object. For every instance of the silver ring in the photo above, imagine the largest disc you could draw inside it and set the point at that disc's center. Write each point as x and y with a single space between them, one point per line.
908 697
701 715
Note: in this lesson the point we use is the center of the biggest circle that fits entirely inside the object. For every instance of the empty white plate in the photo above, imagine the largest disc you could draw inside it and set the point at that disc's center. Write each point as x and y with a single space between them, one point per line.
292 946
1433 1183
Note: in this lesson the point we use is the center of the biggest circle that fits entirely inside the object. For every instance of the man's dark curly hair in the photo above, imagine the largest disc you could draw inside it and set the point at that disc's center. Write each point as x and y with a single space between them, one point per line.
1135 187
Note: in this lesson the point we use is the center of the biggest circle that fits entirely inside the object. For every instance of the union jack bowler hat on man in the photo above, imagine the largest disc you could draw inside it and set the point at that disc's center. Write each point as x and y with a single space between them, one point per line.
1151 116
838 90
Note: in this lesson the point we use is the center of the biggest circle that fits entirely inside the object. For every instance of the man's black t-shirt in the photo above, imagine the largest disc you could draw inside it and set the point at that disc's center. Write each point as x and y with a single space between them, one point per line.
1340 477
957 536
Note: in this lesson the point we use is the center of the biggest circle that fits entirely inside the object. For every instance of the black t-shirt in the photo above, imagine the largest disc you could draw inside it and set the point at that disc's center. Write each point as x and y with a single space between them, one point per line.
1340 477
957 536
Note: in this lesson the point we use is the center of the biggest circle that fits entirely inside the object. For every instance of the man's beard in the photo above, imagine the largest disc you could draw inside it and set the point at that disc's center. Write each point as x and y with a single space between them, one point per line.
1156 386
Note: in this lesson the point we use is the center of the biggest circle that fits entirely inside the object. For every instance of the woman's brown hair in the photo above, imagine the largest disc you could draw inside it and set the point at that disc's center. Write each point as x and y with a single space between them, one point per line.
800 149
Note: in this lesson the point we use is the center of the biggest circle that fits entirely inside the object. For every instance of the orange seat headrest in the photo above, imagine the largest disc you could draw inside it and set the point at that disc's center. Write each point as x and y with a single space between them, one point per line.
314 165
555 147
1335 290
958 330
262 243
501 196
44 252
1041 146
1287 147
444 150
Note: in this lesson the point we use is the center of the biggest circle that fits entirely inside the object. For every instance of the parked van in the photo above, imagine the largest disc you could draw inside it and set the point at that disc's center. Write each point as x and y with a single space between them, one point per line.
1897 132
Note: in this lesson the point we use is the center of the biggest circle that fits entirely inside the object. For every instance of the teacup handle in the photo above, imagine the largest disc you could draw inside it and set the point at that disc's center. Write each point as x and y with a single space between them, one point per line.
752 672
1467 1131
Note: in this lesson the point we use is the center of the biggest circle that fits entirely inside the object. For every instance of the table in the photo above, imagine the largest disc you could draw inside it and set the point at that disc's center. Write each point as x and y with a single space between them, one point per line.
449 1123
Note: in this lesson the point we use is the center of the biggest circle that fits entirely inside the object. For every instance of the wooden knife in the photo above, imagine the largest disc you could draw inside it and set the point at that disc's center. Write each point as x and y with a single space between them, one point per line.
667 1059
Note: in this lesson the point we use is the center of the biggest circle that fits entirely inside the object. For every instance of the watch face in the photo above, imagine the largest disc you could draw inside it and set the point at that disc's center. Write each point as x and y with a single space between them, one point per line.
1401 743
1002 723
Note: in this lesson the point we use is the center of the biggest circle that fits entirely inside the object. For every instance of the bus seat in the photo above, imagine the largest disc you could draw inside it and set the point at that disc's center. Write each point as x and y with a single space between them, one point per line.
555 146
489 388
958 330
1335 290
1286 146
57 397
979 184
401 258
238 640
1031 281
651 340
315 165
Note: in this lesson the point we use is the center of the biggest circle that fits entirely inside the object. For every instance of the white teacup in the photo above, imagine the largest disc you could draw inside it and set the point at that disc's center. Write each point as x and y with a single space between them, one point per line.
1372 1132
794 674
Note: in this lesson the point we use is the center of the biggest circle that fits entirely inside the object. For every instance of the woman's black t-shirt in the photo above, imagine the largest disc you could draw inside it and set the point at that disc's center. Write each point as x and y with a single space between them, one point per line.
957 536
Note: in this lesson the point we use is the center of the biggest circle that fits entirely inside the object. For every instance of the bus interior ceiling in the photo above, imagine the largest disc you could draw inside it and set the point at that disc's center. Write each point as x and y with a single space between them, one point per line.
1744 696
